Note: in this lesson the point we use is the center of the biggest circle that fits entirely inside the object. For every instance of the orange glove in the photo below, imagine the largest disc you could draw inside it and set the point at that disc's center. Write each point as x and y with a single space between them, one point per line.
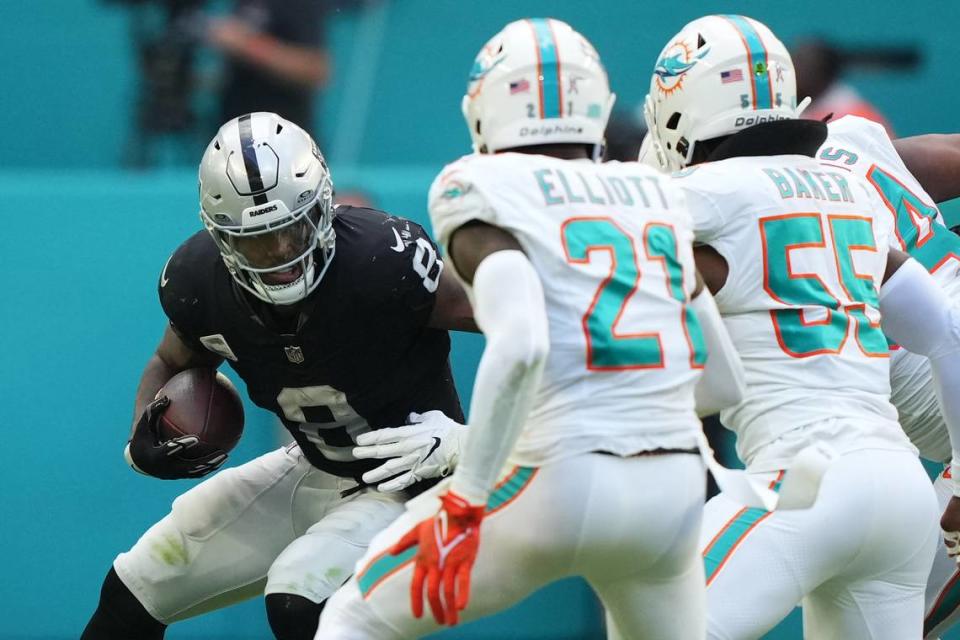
448 547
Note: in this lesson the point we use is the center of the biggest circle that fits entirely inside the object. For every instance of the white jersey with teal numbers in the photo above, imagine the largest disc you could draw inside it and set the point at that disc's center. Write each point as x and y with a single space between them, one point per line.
806 245
612 245
863 148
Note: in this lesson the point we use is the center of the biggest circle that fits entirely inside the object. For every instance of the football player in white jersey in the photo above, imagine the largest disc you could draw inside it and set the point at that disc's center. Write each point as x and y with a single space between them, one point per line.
862 147
581 456
795 250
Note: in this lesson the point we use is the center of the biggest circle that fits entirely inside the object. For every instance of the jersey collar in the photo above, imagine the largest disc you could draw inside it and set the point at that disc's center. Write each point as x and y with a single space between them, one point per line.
777 138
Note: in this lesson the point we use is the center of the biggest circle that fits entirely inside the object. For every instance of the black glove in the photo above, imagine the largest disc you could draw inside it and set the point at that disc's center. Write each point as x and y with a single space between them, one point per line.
146 454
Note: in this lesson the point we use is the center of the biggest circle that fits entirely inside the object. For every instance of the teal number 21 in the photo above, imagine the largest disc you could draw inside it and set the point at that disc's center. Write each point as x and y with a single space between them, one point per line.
607 349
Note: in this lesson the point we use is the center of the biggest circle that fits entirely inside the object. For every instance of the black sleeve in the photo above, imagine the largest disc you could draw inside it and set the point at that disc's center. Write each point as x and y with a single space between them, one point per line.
180 298
301 22
406 273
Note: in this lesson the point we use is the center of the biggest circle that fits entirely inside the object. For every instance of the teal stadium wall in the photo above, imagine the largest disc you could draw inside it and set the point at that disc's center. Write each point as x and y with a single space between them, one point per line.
82 243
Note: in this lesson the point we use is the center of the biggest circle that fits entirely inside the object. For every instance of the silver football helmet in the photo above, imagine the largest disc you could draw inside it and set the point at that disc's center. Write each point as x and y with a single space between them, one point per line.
266 197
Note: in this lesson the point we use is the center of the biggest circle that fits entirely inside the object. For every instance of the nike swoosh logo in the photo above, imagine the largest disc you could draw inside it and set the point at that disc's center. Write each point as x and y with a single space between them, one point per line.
436 444
399 247
163 275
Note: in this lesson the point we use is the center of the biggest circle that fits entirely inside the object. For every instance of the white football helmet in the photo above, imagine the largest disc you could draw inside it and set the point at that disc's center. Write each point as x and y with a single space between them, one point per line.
719 75
537 82
266 197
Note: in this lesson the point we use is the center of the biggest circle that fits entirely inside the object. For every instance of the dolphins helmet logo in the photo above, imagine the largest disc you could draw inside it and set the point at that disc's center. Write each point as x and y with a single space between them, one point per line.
673 65
487 59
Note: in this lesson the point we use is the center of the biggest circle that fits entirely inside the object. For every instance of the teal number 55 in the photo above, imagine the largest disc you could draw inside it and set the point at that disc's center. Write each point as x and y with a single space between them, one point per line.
607 348
806 292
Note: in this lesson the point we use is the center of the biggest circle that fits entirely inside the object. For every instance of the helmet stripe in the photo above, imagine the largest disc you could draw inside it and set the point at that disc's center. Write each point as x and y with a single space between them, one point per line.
250 163
556 55
548 69
757 64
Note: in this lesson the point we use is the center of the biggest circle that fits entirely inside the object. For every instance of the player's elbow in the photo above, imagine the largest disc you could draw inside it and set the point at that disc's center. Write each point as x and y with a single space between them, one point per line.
909 299
536 349
713 395
521 346
731 393
314 71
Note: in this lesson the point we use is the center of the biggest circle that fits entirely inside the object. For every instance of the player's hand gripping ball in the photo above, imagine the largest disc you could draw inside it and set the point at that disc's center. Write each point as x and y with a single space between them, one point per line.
187 431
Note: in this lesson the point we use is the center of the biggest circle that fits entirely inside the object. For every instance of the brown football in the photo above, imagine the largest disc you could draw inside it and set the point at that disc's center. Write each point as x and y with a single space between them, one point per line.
204 403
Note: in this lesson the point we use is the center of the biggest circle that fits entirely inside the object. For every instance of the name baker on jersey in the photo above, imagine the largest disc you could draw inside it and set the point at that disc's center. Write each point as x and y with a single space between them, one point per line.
562 187
800 183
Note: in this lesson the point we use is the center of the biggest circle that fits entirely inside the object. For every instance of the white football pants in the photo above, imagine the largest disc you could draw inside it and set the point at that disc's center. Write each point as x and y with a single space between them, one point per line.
273 525
858 560
627 525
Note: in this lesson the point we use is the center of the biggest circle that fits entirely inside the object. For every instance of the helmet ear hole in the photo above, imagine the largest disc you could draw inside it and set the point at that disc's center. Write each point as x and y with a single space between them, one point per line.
674 121
279 128
700 41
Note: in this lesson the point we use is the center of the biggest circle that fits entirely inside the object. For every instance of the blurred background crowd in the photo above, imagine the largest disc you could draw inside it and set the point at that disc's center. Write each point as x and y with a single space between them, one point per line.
105 110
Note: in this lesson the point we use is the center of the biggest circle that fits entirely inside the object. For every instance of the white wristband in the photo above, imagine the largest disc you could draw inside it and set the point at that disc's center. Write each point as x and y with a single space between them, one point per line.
129 459
954 479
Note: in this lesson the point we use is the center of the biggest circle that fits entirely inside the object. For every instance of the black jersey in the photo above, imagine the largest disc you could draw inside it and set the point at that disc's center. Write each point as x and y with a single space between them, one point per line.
358 356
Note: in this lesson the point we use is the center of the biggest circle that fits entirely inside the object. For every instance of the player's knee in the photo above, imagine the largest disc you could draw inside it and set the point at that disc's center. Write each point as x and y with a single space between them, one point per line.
120 615
292 617
348 616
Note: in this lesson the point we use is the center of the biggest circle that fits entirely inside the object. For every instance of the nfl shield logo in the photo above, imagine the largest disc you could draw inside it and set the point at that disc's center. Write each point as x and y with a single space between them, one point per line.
294 354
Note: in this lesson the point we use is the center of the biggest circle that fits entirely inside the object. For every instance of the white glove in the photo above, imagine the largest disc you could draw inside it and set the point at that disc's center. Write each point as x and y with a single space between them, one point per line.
426 448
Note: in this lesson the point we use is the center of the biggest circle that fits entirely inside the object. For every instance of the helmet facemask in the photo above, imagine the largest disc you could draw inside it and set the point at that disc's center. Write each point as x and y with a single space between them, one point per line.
277 262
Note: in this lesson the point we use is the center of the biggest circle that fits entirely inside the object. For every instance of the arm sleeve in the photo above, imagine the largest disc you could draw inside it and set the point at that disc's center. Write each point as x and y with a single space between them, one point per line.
722 384
918 315
510 310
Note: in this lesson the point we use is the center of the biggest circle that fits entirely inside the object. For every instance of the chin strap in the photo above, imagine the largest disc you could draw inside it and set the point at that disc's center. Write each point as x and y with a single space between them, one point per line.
650 117
598 151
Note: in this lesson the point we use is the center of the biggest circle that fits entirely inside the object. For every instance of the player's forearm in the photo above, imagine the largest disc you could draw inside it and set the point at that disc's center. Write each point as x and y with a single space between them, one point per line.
171 357
510 310
722 384
300 65
918 315
934 160
155 375
451 309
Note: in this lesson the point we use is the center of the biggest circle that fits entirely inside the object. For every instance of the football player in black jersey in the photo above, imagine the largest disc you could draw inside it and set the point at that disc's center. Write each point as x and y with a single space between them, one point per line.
336 319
